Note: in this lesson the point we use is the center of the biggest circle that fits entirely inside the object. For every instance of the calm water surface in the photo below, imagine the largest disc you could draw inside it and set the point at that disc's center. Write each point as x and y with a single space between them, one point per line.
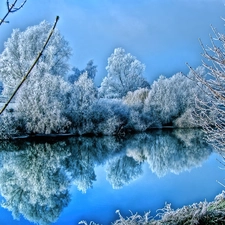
76 179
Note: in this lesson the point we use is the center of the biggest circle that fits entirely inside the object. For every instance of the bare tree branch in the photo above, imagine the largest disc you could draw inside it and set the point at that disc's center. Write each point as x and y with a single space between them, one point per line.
11 9
210 112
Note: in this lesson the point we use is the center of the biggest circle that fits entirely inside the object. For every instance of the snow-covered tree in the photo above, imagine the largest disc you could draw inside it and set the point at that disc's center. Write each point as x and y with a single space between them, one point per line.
162 101
7 125
138 119
90 69
125 73
22 48
109 117
48 104
42 104
83 95
211 111
170 98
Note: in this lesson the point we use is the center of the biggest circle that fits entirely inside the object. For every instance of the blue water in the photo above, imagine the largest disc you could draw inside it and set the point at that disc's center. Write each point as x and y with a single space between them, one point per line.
142 185
146 193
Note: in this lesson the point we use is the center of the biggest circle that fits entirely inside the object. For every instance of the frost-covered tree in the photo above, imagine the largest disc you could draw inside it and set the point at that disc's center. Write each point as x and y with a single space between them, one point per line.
48 104
138 119
42 104
211 111
109 117
125 73
7 125
22 48
90 69
171 98
84 94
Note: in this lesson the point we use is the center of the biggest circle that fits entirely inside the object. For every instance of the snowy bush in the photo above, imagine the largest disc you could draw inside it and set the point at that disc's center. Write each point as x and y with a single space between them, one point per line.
8 125
170 98
42 104
83 95
138 119
109 117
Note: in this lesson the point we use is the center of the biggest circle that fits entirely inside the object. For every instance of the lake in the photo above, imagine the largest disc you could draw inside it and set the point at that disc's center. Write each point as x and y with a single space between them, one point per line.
89 178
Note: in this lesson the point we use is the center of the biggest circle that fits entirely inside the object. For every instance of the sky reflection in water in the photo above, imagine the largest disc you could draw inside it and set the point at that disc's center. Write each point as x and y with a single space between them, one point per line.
90 178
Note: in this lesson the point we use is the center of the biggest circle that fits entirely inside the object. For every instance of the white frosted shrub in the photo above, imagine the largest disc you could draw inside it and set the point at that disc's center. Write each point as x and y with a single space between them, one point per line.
83 95
8 125
109 116
136 98
185 120
170 98
42 104
138 119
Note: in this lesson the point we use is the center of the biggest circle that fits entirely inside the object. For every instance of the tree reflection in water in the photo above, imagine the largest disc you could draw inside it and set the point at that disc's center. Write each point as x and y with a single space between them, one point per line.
35 177
34 182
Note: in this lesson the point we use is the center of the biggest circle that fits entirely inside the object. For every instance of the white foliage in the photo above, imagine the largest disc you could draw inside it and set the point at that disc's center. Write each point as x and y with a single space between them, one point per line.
122 170
8 125
83 95
170 97
186 120
109 116
42 104
138 119
211 111
124 74
22 48
136 98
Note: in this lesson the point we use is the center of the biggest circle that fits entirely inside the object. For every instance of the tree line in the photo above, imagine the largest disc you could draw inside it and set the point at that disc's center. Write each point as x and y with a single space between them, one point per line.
56 99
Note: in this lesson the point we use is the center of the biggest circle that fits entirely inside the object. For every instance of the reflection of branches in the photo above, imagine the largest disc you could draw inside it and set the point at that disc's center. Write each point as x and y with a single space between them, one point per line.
167 151
122 170
172 154
11 9
85 154
33 182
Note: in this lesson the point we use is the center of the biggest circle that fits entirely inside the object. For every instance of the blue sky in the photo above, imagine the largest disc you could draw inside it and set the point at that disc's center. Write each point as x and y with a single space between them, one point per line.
162 34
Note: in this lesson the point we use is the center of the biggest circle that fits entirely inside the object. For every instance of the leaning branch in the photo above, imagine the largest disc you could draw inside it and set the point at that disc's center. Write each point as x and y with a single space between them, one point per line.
31 68
11 9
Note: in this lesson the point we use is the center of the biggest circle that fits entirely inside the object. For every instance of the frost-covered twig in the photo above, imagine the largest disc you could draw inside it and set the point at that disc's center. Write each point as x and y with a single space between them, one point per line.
31 68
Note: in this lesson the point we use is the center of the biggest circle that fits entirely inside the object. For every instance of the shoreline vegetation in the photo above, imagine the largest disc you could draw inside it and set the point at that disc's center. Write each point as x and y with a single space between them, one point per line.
201 213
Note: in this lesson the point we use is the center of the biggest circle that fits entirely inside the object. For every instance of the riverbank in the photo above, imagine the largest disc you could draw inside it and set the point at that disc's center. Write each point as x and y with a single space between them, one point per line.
202 213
